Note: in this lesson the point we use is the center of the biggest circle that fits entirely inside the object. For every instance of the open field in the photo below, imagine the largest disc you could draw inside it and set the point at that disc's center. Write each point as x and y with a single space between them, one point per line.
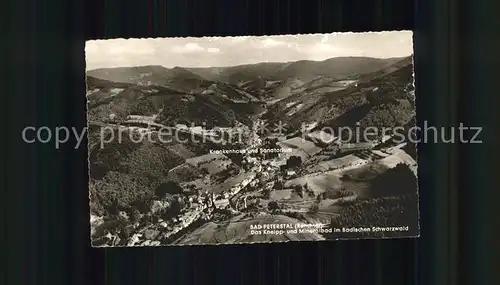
400 156
337 163
306 146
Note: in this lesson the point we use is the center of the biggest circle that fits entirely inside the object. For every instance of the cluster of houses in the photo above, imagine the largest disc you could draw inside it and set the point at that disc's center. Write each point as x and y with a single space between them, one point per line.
203 202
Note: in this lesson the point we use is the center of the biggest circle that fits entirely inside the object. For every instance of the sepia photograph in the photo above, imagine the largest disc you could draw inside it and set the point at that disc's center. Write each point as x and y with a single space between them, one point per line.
235 140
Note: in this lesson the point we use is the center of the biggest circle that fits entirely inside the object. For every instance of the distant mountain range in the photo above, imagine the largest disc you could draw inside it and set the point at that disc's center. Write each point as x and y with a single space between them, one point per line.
331 92
305 70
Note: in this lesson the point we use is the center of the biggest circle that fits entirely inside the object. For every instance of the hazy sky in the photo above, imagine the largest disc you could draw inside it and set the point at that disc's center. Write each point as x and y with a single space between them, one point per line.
230 51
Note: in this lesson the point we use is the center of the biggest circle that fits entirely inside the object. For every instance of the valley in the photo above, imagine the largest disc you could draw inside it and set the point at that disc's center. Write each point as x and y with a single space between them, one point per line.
200 155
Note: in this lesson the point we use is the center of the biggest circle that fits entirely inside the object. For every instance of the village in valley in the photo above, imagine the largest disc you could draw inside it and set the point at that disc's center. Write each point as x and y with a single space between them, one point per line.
276 176
207 155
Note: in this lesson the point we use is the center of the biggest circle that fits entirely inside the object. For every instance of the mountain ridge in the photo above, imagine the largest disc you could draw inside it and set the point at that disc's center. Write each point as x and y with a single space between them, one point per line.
238 73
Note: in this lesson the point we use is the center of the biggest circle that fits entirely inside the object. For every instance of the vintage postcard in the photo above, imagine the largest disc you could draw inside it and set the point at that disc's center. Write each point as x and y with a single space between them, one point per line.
234 140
